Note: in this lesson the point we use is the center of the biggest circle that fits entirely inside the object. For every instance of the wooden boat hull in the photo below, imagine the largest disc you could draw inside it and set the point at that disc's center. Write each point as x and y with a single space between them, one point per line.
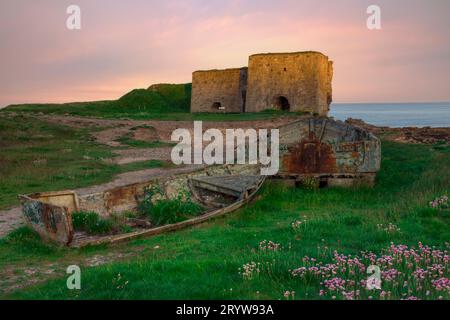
50 214
174 226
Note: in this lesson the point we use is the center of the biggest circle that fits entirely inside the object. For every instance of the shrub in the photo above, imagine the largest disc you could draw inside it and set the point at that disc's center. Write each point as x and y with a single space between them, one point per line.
26 239
310 183
103 226
22 234
167 211
91 223
126 229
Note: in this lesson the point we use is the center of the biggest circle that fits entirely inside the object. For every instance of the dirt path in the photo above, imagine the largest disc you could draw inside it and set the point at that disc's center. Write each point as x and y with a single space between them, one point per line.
135 155
108 132
114 129
9 220
132 177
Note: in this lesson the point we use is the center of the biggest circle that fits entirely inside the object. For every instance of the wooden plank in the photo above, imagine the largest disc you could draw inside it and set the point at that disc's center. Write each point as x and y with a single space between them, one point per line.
66 198
230 185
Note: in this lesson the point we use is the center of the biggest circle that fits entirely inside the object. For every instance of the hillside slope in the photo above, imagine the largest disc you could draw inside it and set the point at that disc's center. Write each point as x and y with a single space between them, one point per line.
167 98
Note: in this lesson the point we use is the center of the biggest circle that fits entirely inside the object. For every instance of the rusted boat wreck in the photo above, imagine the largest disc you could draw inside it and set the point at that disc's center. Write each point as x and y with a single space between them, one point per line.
322 150
329 153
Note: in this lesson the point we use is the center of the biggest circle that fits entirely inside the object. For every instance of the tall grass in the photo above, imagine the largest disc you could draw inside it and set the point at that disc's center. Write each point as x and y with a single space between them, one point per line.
163 210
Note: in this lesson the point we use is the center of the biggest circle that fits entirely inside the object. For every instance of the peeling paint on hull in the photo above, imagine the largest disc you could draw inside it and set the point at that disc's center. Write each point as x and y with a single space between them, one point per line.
328 149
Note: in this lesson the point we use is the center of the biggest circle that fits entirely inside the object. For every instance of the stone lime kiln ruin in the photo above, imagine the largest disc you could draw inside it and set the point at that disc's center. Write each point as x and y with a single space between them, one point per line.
299 81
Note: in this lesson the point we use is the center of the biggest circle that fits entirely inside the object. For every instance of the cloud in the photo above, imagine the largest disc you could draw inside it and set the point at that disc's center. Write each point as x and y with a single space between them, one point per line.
124 45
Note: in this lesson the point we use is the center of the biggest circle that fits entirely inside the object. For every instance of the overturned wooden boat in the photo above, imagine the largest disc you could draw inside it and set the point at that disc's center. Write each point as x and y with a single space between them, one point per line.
218 189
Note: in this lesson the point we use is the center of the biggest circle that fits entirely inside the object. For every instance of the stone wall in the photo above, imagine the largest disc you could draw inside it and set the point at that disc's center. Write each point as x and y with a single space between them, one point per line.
219 90
292 81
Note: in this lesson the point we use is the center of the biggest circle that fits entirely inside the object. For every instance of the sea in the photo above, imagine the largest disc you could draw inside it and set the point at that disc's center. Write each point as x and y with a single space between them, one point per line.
397 115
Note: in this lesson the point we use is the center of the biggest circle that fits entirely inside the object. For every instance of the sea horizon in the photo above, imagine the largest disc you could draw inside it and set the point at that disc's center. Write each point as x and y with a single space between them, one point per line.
395 114
390 102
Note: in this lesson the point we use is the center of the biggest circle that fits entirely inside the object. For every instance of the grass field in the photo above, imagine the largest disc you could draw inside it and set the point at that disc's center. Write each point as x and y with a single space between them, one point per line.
90 109
36 156
215 260
129 141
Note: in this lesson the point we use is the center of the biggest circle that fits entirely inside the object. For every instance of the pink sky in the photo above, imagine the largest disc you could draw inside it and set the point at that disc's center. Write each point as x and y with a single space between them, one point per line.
131 44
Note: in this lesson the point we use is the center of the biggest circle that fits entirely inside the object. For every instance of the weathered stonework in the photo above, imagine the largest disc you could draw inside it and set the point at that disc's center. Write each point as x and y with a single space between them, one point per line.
219 90
291 81
299 81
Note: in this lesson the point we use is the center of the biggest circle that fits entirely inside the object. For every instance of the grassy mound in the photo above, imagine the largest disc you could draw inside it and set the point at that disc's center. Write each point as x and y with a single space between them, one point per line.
141 100
158 98
163 98
178 96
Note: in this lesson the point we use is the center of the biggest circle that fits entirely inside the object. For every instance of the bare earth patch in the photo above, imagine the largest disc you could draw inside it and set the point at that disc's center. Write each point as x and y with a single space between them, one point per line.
126 156
9 220
142 130
148 134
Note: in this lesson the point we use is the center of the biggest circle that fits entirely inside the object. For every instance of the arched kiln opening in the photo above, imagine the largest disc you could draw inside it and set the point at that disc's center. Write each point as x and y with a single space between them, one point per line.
282 103
217 106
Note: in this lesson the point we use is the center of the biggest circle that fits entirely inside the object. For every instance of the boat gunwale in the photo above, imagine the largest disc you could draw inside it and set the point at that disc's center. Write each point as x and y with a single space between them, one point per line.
174 226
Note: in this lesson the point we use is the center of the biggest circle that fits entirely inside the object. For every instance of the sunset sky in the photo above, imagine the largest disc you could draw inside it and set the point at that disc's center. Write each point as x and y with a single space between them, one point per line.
131 44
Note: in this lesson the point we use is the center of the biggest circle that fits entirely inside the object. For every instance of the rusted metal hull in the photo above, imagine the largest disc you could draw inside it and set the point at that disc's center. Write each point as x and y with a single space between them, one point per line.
330 150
